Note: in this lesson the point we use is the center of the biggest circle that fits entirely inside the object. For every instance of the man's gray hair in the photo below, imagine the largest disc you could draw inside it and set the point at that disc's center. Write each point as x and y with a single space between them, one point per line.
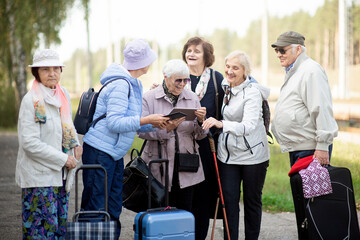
243 58
176 67
303 49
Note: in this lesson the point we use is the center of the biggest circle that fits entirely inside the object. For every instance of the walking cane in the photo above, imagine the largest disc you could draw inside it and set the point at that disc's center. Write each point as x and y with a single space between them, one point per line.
213 150
216 210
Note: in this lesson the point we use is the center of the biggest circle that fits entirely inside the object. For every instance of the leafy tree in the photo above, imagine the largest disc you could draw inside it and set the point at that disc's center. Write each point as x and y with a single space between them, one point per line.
23 24
85 4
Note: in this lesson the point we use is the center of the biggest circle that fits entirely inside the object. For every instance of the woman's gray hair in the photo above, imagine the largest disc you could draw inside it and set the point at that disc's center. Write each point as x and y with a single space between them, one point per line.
303 49
243 58
176 67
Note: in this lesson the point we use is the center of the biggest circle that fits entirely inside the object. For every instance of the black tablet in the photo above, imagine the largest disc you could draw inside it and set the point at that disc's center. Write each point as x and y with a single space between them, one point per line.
175 115
189 113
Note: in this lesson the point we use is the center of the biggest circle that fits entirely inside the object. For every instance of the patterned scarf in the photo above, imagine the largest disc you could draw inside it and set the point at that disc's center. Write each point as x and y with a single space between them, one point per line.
201 87
57 98
172 97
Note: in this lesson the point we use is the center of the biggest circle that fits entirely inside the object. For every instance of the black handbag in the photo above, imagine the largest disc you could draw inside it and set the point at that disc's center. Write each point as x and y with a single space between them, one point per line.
186 162
135 185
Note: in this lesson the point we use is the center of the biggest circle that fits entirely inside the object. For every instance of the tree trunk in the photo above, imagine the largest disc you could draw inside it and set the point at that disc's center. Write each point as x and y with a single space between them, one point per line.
318 50
325 60
89 55
18 58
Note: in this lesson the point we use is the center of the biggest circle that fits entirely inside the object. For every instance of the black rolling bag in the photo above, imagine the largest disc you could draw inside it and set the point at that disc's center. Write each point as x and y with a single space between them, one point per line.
331 216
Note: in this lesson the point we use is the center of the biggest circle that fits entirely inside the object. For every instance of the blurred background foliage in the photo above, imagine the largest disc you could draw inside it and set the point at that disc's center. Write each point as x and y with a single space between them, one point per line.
25 23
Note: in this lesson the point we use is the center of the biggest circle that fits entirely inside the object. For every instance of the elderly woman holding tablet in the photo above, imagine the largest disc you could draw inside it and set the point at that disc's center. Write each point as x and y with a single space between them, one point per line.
176 142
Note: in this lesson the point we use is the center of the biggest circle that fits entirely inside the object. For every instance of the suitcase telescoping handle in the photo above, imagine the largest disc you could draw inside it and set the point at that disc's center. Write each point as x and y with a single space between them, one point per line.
166 161
91 166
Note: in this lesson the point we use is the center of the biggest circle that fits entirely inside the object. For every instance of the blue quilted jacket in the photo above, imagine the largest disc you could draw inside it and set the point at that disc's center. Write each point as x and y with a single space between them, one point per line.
115 133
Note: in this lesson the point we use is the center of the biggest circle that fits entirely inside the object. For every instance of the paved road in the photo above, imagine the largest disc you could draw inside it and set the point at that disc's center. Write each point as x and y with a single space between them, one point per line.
280 226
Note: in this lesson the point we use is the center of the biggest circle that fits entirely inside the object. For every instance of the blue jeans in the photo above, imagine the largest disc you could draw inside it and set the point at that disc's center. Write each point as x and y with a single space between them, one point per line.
93 194
294 156
252 178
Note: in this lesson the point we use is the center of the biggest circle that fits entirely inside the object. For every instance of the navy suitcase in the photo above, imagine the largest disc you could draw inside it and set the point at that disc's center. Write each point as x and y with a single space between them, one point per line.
164 223
331 216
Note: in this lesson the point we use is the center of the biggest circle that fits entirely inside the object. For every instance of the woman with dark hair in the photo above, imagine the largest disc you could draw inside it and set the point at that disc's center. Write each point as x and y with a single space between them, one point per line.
48 149
206 83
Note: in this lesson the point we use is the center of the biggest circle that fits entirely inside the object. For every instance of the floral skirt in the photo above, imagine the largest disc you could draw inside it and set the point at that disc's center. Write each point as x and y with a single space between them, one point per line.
45 211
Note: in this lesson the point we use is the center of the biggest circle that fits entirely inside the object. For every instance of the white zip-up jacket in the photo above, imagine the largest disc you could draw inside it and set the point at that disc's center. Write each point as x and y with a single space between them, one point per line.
40 158
243 120
303 118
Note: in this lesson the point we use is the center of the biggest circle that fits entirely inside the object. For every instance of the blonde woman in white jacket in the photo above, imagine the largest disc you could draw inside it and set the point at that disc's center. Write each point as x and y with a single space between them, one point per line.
243 150
48 149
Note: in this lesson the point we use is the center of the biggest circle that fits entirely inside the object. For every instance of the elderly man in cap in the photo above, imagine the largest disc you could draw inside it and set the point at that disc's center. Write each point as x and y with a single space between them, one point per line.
303 122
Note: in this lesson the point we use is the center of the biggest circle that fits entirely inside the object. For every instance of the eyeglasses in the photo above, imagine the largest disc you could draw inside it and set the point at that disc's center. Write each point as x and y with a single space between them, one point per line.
179 80
281 50
227 95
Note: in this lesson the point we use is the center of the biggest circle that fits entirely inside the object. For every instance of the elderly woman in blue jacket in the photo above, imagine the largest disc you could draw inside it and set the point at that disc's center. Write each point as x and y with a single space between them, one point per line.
110 139
243 149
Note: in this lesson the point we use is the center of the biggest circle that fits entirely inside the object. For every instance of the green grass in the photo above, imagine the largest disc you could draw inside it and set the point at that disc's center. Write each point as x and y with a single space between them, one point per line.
137 143
277 193
74 105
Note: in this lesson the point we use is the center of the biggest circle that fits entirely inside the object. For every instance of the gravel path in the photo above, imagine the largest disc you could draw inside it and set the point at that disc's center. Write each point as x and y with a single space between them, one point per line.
279 226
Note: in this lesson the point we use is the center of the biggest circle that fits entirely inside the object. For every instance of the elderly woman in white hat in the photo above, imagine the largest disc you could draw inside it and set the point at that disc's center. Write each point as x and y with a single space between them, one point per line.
110 139
48 149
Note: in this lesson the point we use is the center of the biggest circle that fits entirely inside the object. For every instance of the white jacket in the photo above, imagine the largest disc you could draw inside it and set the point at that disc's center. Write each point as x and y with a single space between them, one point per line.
243 118
40 158
303 118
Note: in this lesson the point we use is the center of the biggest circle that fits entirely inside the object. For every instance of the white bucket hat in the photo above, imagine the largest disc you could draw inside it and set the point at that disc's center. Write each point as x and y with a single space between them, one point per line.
46 58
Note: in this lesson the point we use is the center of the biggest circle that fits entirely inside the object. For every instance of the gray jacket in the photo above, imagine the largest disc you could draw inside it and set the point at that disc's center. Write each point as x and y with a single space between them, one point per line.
303 118
243 139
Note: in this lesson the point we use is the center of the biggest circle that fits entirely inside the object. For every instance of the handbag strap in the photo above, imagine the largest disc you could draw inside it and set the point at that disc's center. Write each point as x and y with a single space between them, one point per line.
159 149
177 143
132 157
142 147
216 95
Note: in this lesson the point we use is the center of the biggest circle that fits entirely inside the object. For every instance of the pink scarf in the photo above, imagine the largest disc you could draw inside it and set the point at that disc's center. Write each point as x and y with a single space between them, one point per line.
58 99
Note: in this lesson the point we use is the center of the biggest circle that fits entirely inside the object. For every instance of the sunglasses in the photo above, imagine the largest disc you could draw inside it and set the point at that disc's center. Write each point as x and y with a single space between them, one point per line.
179 80
227 95
281 50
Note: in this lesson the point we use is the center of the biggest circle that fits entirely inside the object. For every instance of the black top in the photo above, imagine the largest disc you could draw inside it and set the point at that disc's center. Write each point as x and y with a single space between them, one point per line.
208 100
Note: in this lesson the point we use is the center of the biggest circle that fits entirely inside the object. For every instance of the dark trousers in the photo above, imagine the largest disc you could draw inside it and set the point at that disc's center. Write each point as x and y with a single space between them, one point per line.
93 194
252 178
180 198
294 156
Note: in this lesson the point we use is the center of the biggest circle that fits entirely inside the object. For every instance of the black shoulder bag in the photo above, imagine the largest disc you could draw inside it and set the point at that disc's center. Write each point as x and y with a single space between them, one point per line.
135 185
186 162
